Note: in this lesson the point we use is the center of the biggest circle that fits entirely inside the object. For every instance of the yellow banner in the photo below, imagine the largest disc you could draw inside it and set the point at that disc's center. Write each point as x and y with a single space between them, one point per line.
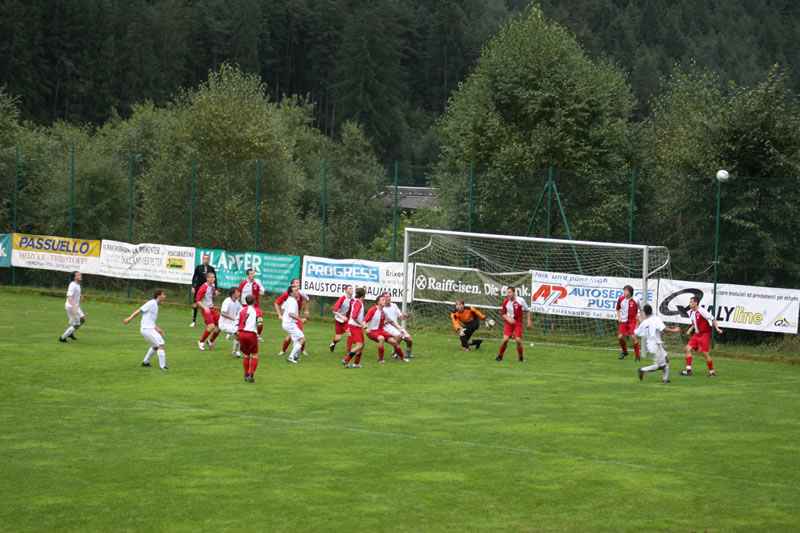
55 245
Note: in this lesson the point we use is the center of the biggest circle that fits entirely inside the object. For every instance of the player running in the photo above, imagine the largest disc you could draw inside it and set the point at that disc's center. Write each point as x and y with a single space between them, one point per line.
229 318
73 307
651 329
205 299
250 323
302 303
292 322
341 313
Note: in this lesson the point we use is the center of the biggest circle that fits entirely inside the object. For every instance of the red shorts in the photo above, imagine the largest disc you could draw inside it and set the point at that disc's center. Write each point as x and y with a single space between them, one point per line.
513 330
211 317
375 333
701 341
356 333
341 328
627 328
248 342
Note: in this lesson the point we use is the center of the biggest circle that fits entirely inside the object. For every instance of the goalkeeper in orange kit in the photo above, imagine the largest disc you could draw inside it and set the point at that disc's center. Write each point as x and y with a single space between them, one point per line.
467 320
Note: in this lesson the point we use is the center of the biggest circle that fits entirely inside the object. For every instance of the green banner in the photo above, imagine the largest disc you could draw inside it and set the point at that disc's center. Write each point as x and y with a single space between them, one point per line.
441 284
5 249
274 271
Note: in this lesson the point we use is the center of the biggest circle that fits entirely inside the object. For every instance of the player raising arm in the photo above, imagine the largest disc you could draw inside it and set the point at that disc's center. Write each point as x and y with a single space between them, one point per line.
650 329
149 330
702 321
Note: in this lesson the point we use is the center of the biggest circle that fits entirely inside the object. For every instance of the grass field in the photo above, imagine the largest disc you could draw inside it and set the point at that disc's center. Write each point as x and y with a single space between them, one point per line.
571 440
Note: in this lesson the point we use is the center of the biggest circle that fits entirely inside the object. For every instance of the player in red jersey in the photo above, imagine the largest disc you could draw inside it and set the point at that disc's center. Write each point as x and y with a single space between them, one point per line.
341 313
702 321
375 321
205 299
628 316
355 325
250 323
302 303
513 306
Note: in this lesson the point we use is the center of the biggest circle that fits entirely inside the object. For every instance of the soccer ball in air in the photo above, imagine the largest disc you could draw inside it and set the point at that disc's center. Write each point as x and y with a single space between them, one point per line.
490 323
722 175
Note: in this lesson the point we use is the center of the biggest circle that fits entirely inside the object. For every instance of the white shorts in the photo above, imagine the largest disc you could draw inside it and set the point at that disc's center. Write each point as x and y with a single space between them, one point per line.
394 332
153 337
658 353
294 332
231 329
74 317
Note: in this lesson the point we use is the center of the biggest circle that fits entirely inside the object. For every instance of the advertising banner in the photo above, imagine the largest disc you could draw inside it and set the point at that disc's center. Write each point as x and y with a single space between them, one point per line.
156 262
328 277
738 306
442 284
55 253
557 293
5 250
274 271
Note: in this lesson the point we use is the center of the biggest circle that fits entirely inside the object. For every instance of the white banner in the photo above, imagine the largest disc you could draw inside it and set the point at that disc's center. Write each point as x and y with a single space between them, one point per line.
157 262
738 306
55 253
556 293
328 277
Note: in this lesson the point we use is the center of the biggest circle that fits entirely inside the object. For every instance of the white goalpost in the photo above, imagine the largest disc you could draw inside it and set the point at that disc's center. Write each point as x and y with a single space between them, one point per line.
571 286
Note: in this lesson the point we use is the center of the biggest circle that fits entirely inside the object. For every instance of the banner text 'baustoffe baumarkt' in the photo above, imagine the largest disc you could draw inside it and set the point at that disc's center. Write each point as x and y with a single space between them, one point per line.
329 277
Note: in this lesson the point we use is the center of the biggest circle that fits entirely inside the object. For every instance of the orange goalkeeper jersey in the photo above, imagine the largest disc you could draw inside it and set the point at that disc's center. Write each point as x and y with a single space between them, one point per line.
465 316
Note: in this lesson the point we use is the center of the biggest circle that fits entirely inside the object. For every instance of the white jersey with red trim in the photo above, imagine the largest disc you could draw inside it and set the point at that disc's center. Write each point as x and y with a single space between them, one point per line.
206 294
249 318
375 318
254 287
629 308
343 306
356 313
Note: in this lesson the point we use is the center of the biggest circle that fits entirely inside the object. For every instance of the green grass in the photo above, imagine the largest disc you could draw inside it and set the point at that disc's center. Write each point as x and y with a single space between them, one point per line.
568 441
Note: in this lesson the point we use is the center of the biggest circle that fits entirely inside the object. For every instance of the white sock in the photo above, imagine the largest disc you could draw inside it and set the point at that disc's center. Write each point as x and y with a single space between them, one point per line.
70 331
665 375
150 353
408 349
235 346
162 358
296 348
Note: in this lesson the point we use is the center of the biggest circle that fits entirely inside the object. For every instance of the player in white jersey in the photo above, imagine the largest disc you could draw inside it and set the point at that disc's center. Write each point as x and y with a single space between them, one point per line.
393 317
73 307
229 318
149 330
290 320
650 329
302 303
341 314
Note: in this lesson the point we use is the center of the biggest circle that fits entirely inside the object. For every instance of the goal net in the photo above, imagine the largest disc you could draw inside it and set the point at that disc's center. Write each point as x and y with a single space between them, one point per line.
571 286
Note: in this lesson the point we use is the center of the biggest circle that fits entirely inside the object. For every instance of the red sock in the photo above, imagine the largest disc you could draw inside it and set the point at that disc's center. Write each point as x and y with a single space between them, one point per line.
253 365
710 365
623 345
214 335
636 350
380 353
246 364
519 350
358 358
399 352
688 362
347 357
205 336
334 341
286 343
502 349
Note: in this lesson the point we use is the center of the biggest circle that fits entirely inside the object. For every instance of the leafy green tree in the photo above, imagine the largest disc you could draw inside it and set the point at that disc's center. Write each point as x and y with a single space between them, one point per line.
536 101
754 133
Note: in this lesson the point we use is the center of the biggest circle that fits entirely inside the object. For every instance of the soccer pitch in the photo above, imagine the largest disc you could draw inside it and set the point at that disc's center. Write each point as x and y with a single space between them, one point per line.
570 440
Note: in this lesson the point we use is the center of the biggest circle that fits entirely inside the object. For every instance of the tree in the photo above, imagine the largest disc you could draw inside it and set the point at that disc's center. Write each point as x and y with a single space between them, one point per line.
536 101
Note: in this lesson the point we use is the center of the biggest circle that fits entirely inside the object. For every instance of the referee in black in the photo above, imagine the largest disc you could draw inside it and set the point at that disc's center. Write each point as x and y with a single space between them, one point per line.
198 279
